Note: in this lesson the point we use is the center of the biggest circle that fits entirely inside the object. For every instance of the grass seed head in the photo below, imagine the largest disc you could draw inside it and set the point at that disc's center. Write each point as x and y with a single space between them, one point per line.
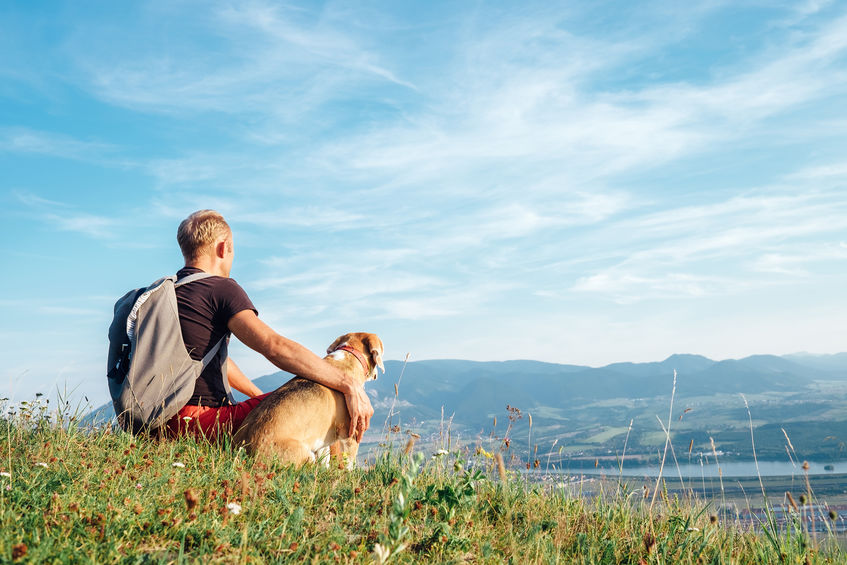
409 445
792 502
190 499
501 467
18 550
649 541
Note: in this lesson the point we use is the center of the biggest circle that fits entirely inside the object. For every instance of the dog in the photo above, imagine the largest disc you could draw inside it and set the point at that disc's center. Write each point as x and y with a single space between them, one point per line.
304 421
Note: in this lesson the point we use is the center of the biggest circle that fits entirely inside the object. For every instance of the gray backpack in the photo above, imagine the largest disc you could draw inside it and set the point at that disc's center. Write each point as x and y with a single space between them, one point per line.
150 373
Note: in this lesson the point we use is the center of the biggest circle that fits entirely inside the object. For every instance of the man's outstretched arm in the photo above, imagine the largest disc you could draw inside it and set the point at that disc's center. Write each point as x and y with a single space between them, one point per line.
239 381
292 357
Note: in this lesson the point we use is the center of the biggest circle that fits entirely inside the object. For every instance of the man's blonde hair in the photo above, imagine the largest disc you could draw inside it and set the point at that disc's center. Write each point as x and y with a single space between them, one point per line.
199 231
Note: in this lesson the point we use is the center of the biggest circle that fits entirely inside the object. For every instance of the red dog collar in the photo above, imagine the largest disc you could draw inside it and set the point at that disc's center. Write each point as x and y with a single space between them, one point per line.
358 355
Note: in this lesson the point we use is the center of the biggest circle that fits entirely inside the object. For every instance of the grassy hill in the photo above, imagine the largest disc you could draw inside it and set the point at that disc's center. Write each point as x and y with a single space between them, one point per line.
74 495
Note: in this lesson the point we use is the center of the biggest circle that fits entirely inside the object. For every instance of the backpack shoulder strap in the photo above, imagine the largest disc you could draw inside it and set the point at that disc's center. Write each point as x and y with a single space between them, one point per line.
191 278
212 352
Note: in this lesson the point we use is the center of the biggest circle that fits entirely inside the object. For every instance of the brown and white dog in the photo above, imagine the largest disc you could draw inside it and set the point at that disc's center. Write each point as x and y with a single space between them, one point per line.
300 420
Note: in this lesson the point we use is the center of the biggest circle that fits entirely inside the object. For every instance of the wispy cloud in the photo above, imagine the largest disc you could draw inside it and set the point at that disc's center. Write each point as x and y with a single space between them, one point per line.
25 140
66 217
268 50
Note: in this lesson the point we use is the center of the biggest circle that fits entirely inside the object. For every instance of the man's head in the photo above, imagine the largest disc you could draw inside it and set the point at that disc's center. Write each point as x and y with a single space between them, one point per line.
205 237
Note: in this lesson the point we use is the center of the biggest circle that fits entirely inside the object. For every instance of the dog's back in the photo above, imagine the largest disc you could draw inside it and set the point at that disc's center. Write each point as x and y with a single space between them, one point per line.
285 415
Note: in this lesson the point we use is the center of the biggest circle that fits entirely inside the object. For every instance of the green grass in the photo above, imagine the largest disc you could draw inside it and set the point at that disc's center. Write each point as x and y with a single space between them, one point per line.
96 496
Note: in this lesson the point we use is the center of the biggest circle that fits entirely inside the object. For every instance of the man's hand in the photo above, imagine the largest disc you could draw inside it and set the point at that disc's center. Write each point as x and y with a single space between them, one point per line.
360 409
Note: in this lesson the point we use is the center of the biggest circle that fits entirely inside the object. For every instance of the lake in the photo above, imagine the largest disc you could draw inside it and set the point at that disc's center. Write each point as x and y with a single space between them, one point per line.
729 469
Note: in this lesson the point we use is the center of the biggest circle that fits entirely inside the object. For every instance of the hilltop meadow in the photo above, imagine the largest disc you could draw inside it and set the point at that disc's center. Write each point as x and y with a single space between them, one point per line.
71 493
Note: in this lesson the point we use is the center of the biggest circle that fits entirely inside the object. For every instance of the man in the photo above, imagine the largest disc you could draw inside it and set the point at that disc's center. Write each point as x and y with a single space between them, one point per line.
214 307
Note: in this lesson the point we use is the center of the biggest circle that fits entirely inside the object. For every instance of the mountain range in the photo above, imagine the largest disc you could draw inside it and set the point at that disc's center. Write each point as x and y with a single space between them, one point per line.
588 408
474 390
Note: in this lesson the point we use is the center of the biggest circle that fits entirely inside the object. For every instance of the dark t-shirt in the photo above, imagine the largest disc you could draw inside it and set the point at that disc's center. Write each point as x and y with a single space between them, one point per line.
205 308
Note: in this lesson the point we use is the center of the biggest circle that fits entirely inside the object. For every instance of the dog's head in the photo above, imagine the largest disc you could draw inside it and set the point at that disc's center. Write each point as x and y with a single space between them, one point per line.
368 344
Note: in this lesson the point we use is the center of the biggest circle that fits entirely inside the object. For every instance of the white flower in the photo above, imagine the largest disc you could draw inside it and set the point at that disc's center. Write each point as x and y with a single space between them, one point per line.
5 474
439 453
41 464
178 464
235 508
186 418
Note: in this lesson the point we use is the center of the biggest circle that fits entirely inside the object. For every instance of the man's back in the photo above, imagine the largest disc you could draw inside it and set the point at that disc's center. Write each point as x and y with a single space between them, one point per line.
205 308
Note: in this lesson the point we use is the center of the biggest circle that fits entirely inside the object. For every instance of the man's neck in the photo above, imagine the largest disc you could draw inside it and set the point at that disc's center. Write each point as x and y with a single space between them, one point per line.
207 266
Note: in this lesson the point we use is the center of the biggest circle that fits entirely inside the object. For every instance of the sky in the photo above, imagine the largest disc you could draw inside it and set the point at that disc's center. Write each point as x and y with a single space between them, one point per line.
572 182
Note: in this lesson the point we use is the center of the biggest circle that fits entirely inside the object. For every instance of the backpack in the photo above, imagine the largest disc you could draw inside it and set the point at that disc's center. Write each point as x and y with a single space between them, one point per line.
151 376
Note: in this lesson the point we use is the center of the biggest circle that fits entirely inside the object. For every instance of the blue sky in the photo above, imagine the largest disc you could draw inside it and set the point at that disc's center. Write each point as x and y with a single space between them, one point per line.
570 182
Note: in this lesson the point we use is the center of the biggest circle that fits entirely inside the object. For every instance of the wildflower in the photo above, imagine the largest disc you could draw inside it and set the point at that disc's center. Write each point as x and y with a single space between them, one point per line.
41 464
178 464
186 419
234 508
5 474
138 485
486 454
439 453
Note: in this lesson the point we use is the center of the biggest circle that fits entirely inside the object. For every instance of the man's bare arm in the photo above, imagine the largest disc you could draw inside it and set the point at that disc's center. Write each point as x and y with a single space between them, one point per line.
292 357
239 381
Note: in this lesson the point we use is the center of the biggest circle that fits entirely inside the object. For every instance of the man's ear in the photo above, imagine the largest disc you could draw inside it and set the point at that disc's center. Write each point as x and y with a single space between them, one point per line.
221 248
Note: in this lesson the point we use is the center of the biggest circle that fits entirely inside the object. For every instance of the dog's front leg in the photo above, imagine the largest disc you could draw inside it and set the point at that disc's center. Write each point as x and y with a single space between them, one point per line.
348 449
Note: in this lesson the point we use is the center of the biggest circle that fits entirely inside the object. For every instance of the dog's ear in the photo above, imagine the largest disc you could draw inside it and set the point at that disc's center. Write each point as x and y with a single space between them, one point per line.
338 343
374 345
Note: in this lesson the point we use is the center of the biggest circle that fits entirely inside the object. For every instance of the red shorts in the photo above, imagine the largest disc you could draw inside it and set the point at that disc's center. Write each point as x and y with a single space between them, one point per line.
210 422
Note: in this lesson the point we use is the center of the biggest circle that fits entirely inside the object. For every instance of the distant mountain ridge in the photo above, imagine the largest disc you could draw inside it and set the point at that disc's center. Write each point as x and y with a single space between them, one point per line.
474 390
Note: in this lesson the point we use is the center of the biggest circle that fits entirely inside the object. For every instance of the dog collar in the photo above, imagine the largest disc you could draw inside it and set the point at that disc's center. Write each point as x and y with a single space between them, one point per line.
358 355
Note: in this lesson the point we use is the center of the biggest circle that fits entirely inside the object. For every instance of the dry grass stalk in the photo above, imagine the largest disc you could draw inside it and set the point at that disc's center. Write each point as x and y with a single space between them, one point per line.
625 441
667 441
753 443
385 426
